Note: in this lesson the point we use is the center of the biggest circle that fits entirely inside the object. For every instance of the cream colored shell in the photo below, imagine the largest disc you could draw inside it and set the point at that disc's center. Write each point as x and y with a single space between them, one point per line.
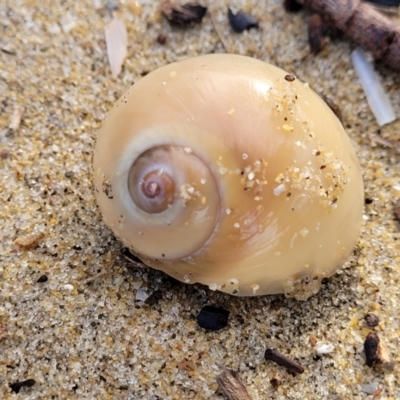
268 192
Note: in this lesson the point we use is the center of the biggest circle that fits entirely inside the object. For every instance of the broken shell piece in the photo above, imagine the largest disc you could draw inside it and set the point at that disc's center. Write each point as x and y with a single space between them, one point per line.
117 43
295 198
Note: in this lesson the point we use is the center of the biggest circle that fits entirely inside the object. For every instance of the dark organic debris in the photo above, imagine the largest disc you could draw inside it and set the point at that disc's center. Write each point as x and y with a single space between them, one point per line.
371 320
42 279
213 318
276 380
185 15
315 33
232 386
289 78
154 298
241 21
333 106
134 262
292 5
16 386
283 361
376 352
386 3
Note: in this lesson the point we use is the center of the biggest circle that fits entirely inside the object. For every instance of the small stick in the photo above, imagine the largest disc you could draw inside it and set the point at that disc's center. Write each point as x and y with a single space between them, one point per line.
362 23
220 37
385 142
97 276
283 361
232 386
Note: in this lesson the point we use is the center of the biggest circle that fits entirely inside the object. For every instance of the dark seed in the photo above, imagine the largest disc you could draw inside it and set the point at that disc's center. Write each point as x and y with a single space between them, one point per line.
289 78
213 318
42 279
241 21
368 200
161 39
283 361
16 386
372 320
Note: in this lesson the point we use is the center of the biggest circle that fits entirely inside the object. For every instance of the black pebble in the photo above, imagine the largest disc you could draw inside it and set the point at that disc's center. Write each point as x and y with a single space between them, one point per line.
241 21
16 386
372 320
42 279
213 318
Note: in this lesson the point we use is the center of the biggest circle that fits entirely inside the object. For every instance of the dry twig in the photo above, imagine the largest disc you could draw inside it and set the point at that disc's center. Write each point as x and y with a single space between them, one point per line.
362 23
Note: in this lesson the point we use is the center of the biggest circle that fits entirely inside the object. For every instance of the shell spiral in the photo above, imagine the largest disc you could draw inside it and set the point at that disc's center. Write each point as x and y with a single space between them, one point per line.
223 170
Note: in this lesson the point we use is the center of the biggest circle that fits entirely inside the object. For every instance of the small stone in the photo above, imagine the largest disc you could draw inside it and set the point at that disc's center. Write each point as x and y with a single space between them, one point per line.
324 348
213 318
28 241
370 388
42 279
371 320
241 21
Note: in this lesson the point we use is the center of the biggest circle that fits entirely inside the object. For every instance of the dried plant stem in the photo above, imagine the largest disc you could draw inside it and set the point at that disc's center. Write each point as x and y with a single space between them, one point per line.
364 24
219 34
232 386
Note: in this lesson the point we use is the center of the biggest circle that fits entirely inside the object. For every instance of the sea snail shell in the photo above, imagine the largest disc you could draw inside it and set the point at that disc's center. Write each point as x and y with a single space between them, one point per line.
224 170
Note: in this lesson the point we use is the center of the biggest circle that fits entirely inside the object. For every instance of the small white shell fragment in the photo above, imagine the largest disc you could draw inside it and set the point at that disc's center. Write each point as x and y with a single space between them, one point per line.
324 348
117 42
175 311
68 287
141 294
279 189
370 388
136 285
377 98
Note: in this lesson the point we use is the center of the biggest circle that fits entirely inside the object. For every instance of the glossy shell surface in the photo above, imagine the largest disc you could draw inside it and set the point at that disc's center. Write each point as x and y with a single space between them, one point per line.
266 195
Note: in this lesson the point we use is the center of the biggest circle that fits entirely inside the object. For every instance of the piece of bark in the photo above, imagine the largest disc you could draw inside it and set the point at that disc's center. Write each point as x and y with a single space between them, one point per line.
315 33
376 352
232 386
362 23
